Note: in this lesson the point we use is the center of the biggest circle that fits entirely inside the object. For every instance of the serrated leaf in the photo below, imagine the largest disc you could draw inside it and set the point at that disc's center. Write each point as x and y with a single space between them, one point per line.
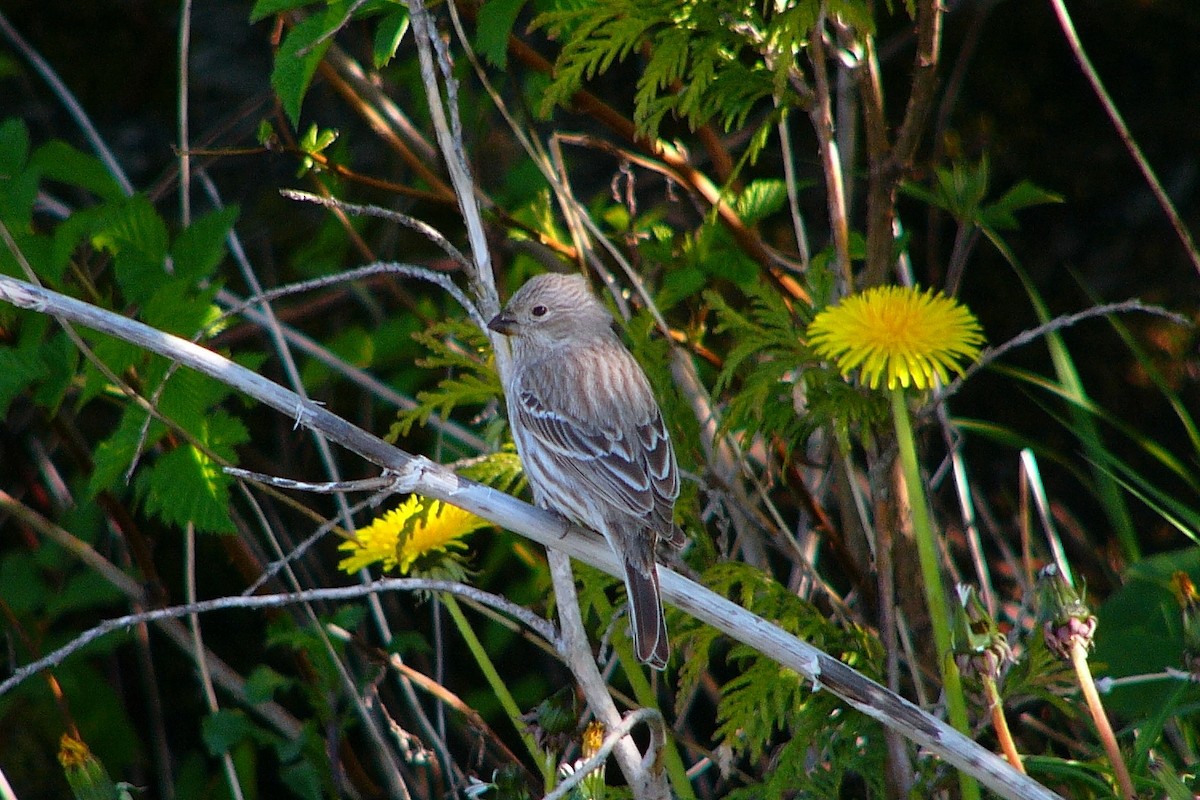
199 248
137 238
19 369
761 199
1001 214
113 456
59 161
388 34
496 19
263 683
296 61
178 308
501 470
116 354
186 486
82 591
224 729
188 398
680 284
265 8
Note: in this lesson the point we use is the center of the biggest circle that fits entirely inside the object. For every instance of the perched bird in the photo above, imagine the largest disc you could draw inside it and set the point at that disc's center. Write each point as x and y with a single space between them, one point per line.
591 436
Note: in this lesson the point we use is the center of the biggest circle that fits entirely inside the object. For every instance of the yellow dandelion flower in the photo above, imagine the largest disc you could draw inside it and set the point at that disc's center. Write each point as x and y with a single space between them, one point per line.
398 538
910 334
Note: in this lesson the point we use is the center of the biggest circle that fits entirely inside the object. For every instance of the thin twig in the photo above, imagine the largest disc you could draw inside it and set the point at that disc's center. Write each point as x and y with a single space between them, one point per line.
270 711
198 655
821 114
1110 108
434 481
1056 324
70 103
614 735
425 229
258 602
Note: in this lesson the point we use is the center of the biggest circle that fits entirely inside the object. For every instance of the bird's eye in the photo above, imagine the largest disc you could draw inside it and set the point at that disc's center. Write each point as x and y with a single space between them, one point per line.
540 311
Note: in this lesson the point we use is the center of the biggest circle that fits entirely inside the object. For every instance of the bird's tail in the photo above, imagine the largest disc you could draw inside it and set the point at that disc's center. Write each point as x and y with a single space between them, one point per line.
646 614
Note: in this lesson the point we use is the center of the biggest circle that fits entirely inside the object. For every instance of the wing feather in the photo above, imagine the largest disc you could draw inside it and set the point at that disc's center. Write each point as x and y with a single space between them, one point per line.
611 440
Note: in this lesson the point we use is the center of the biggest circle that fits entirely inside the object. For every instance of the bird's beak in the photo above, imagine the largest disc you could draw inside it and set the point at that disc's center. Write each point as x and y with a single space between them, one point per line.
502 324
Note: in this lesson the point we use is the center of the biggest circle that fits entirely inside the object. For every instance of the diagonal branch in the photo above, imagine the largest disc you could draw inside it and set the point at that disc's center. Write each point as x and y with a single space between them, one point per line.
421 475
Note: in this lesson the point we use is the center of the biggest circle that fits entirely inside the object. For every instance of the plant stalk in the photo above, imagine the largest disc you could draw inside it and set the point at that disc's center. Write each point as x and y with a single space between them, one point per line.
498 687
1080 661
931 577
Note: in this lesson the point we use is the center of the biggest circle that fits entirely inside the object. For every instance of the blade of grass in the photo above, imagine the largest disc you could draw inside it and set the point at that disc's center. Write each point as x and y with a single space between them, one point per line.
1084 426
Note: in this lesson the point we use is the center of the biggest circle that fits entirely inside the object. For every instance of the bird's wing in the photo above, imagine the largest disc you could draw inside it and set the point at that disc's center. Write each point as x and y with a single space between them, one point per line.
617 448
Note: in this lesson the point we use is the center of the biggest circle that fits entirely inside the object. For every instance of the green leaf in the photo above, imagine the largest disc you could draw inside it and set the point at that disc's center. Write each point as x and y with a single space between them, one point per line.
303 779
116 354
14 147
761 199
199 248
224 730
19 369
137 238
263 683
1001 214
60 359
21 584
186 486
297 60
18 180
82 591
496 19
1140 632
114 455
265 8
179 309
59 161
455 345
388 35
679 285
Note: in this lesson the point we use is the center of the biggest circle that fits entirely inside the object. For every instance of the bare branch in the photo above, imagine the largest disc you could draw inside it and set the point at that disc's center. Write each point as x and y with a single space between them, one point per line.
423 476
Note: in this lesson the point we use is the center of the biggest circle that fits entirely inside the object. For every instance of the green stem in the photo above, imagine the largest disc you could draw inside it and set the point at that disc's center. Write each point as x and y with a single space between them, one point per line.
931 577
499 688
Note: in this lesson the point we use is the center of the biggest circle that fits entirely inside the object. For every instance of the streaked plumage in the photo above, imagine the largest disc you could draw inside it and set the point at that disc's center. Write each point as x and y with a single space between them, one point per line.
591 436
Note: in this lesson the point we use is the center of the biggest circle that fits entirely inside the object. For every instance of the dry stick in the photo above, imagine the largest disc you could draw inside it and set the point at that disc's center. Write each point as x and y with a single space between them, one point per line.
888 167
204 676
262 601
419 474
1110 108
646 776
374 725
98 144
821 115
436 76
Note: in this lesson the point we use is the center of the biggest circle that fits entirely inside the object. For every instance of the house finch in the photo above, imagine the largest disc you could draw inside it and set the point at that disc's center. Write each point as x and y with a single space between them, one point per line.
591 436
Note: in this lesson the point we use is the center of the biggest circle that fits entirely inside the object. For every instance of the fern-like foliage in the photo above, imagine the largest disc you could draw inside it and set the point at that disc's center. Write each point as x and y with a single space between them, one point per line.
775 385
705 59
456 347
814 744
